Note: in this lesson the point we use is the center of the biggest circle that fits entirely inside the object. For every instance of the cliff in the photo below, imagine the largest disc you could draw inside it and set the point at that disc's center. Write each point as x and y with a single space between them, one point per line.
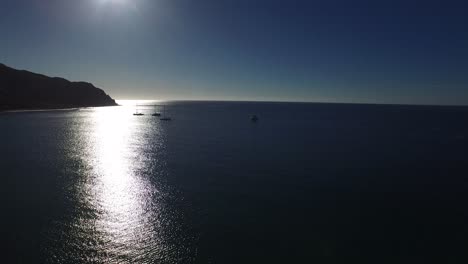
26 90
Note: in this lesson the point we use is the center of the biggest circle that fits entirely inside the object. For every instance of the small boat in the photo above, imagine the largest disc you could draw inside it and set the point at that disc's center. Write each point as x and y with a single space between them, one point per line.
254 118
164 117
156 113
136 111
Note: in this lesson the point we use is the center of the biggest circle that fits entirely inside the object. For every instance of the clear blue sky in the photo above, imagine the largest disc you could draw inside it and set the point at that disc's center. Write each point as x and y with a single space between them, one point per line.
343 51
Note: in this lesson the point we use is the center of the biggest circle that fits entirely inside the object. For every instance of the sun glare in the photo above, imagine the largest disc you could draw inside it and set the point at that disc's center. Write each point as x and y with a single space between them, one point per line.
130 5
114 1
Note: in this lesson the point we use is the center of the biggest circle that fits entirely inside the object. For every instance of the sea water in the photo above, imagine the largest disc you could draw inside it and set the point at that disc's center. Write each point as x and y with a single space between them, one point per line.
307 183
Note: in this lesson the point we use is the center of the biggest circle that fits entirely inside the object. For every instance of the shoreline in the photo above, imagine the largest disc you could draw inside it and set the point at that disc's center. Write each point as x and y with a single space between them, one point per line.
51 109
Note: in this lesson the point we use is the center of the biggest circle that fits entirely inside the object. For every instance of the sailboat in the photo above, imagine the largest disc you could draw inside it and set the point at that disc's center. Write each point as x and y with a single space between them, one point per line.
164 116
136 111
156 113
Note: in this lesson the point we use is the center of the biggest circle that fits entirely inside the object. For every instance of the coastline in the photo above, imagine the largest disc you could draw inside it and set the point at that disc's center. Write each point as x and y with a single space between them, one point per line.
51 109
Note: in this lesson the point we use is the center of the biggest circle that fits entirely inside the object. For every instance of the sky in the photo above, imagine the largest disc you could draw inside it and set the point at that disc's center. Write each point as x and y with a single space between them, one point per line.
360 51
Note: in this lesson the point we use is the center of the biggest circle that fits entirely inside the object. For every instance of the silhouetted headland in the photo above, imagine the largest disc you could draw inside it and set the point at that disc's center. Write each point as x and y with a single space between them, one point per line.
21 89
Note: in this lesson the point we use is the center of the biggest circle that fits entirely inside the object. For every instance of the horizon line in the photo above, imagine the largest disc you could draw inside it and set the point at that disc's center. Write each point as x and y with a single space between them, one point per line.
294 102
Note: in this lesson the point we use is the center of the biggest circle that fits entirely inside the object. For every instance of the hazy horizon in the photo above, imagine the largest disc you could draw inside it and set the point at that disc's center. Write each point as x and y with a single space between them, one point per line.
325 51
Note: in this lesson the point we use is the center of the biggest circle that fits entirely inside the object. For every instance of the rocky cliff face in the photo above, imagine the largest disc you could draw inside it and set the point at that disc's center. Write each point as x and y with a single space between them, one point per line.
26 90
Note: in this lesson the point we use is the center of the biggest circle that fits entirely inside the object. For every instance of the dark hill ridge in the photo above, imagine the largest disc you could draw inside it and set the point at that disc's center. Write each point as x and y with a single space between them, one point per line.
21 89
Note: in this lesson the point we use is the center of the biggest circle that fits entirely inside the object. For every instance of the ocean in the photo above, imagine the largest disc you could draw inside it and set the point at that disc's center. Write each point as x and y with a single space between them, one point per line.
307 183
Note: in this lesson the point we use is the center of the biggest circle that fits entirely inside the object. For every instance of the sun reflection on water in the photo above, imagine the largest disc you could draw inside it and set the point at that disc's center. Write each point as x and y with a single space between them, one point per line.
123 200
118 204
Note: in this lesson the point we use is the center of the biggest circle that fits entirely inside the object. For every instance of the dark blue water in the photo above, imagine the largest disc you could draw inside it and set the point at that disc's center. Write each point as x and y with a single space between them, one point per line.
323 183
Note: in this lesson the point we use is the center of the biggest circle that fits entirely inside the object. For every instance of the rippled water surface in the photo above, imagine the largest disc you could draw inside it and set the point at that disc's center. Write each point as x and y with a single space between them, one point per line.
308 182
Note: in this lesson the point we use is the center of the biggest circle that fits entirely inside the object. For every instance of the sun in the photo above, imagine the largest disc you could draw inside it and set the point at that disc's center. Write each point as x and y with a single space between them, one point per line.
115 2
119 4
